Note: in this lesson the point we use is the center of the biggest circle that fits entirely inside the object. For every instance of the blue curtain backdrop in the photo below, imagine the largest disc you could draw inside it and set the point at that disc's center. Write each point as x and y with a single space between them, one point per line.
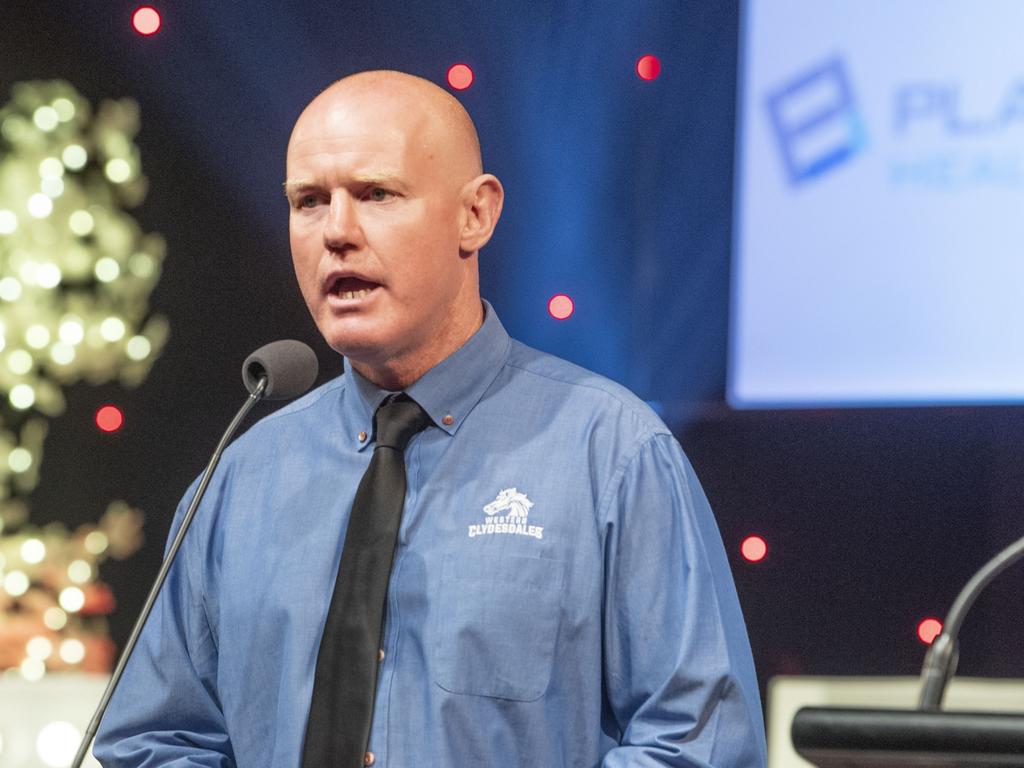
618 190
619 194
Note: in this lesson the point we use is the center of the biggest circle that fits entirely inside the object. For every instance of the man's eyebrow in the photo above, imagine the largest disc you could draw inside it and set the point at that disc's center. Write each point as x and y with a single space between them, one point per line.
292 184
383 178
377 177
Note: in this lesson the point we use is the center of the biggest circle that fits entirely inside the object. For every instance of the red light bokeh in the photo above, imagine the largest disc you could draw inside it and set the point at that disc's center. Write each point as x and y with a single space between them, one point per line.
928 630
109 418
561 306
460 76
648 67
754 549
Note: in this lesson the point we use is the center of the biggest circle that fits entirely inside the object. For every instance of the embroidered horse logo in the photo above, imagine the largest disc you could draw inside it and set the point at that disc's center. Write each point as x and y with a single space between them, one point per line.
512 500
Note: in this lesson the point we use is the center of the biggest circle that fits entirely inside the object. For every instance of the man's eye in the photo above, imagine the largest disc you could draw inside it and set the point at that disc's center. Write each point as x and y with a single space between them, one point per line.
379 194
308 201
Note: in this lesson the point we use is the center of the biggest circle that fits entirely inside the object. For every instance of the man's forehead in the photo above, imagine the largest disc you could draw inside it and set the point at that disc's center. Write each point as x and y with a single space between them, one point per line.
376 151
402 125
347 117
322 138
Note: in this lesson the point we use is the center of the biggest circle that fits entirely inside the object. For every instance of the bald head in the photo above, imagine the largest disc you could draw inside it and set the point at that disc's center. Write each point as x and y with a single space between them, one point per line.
431 119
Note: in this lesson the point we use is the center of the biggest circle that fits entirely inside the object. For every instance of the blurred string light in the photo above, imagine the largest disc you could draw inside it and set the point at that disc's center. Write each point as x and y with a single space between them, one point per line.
75 269
72 599
55 618
51 576
39 648
57 743
72 651
33 551
76 272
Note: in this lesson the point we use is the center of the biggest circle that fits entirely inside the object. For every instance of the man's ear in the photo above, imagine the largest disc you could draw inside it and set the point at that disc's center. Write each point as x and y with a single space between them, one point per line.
482 199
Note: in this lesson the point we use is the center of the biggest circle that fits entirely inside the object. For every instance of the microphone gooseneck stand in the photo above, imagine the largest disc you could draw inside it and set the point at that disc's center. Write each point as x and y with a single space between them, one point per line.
94 724
928 735
941 659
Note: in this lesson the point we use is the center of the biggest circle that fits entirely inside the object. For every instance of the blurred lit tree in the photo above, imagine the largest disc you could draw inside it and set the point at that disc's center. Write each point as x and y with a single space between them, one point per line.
76 272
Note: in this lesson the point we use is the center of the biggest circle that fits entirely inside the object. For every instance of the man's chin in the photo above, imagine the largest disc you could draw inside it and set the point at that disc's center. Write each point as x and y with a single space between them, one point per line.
354 336
363 348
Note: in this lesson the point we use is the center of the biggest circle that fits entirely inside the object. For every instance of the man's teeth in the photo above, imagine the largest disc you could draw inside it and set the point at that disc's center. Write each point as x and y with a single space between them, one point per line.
355 294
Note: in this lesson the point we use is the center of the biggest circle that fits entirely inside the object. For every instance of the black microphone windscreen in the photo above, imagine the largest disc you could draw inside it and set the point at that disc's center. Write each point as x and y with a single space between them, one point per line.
289 365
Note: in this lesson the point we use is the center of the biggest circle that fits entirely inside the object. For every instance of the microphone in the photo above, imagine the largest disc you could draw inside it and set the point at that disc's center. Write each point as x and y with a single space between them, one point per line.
832 736
942 657
276 371
289 367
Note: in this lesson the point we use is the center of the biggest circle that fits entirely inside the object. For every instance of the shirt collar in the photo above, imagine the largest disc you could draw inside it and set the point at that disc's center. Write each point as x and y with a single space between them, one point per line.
447 392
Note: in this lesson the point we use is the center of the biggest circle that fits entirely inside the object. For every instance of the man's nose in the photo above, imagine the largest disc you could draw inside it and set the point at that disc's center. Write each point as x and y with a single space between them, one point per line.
342 230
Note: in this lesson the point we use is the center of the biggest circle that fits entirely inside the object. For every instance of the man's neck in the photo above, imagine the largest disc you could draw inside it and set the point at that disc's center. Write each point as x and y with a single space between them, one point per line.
399 374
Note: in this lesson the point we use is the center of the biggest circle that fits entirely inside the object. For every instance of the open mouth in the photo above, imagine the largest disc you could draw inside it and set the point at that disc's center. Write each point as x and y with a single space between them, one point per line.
352 288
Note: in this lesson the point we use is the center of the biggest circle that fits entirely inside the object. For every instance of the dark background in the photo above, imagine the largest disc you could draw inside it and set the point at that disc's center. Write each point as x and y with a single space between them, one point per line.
619 193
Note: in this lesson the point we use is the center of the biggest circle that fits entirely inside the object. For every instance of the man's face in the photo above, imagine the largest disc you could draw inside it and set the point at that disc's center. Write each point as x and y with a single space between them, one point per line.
374 229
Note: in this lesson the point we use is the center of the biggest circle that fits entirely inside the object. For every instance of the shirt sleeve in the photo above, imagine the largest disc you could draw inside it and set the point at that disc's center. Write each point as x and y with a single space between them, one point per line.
679 677
165 711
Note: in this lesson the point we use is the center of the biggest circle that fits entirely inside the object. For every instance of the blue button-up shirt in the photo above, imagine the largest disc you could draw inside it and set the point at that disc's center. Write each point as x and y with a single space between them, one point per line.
559 597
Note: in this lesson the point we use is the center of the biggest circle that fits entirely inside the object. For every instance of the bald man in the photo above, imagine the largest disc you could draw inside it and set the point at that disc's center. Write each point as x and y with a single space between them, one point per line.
558 594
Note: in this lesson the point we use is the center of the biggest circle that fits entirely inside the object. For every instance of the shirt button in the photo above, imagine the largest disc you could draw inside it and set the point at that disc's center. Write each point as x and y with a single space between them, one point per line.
362 437
448 420
368 758
380 655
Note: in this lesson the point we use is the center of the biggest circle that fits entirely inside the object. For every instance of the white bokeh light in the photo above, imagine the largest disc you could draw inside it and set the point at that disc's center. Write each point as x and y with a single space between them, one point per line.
62 354
33 551
107 269
55 618
37 336
39 648
74 156
57 743
118 170
72 651
48 275
65 109
19 361
40 206
19 460
8 221
32 669
138 348
51 168
71 600
46 118
52 187
27 271
10 289
112 329
22 396
141 265
16 583
71 331
79 571
96 542
81 223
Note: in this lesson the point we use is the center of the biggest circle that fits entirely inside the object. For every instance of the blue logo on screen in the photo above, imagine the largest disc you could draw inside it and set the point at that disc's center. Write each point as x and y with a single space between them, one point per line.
816 122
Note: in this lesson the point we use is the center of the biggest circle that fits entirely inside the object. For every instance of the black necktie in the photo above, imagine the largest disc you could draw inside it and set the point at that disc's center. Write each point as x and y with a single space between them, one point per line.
346 666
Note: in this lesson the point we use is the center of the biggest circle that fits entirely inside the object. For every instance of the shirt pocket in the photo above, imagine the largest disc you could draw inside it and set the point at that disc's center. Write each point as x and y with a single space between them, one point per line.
496 623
